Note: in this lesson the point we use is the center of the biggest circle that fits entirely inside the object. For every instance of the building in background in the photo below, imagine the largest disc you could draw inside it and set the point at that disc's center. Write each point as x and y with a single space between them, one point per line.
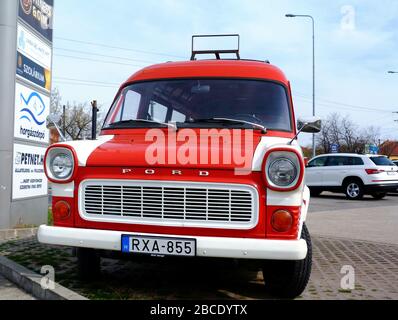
390 149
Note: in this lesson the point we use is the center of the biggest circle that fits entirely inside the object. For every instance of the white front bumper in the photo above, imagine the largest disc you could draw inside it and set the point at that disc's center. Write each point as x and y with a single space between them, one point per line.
214 247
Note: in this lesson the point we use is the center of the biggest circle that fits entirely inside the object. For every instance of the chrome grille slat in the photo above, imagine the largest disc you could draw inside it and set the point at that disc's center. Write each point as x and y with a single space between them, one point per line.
159 202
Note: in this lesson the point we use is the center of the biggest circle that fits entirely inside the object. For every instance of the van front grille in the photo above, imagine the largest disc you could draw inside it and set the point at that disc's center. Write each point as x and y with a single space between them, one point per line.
163 203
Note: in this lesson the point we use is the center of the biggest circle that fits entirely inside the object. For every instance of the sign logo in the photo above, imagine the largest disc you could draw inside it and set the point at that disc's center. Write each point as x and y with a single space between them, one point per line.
21 40
31 111
31 71
27 6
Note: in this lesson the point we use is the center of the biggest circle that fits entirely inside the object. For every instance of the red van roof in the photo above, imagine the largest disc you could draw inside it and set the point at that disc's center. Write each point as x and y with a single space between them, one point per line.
212 69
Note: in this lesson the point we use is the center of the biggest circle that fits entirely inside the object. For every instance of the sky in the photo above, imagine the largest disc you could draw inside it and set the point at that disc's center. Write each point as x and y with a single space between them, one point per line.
99 43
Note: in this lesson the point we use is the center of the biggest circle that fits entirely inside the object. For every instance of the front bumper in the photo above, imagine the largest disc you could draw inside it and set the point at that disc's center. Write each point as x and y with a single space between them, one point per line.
211 247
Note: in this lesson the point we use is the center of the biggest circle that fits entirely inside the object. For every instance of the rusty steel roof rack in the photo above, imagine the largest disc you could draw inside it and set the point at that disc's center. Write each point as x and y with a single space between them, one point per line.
217 53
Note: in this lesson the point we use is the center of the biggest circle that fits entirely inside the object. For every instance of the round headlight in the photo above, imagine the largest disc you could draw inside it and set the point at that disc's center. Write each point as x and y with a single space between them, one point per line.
61 166
282 172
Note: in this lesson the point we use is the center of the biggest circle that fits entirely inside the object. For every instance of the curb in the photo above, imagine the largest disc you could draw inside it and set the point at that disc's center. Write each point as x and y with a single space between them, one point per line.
31 282
11 234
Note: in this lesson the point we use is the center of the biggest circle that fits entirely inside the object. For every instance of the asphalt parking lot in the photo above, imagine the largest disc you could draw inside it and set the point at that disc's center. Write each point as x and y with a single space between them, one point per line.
368 219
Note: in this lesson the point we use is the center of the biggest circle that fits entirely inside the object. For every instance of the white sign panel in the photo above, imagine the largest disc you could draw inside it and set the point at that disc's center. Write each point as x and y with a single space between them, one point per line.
31 111
29 179
33 47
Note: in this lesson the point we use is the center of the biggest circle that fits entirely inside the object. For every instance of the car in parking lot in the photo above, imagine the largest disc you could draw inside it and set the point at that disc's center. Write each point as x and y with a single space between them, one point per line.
352 174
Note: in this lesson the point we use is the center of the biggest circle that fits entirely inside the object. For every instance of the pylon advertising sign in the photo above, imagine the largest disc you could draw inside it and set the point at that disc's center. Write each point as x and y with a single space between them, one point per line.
26 34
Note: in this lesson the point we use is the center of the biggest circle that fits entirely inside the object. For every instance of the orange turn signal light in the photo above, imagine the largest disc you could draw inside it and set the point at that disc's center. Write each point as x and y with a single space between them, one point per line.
282 221
61 210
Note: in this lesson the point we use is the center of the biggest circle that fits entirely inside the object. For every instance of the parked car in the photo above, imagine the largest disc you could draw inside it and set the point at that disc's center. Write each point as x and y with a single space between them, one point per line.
352 174
395 162
110 196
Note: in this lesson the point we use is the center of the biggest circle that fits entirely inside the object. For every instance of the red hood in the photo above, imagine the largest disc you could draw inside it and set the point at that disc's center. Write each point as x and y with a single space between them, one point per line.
131 150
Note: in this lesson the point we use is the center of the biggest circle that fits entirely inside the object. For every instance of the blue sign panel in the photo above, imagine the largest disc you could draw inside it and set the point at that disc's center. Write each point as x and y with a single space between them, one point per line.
33 72
39 15
335 148
373 149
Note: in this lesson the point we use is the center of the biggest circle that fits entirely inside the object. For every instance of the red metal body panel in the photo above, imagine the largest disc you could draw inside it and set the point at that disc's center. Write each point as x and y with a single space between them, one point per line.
129 150
212 69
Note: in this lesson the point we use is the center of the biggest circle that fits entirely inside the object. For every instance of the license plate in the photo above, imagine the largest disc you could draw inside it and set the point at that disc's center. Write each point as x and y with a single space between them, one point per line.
159 246
392 173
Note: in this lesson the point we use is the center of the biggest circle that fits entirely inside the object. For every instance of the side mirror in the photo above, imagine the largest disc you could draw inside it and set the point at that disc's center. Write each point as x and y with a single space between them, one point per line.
311 125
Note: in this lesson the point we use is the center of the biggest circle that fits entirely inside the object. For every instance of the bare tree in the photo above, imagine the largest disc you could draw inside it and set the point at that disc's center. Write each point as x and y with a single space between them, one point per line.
345 133
76 122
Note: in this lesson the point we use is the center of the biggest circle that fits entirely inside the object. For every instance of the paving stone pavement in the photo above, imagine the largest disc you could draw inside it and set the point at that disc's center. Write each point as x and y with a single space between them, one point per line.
9 291
375 266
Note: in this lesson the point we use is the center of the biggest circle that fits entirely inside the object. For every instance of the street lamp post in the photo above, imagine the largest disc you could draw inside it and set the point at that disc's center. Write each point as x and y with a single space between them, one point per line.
313 70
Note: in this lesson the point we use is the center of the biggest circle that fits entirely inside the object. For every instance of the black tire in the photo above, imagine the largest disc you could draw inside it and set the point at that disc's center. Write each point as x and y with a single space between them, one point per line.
379 196
288 279
89 264
315 192
354 189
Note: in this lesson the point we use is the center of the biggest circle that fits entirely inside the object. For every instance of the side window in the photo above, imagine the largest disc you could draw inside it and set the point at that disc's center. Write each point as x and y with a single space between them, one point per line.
131 105
355 161
157 111
336 161
319 162
178 117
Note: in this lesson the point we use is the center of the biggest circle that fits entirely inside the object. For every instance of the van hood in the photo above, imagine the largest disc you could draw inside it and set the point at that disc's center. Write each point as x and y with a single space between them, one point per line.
139 150
210 152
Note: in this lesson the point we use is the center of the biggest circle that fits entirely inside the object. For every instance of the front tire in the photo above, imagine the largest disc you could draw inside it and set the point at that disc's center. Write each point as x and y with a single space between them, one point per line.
89 264
354 189
288 279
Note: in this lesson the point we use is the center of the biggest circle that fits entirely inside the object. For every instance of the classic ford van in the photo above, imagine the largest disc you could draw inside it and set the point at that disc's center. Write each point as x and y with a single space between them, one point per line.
195 159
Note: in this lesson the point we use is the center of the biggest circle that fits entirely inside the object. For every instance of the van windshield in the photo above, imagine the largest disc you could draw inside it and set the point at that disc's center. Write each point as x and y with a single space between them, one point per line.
201 102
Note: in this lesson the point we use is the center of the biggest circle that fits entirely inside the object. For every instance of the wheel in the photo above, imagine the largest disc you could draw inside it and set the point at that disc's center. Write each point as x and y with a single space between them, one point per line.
288 279
315 193
354 189
89 264
379 196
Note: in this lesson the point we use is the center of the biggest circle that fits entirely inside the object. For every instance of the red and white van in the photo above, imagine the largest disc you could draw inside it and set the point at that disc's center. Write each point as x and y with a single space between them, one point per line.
195 159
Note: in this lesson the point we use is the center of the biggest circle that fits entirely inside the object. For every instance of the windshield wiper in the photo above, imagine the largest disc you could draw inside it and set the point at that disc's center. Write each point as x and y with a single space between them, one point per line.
255 125
170 125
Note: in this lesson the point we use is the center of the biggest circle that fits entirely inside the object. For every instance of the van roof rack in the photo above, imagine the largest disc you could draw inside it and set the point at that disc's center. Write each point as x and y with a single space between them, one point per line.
216 52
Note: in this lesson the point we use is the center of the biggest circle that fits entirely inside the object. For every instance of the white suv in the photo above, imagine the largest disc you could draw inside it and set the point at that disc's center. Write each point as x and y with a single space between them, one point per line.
355 175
